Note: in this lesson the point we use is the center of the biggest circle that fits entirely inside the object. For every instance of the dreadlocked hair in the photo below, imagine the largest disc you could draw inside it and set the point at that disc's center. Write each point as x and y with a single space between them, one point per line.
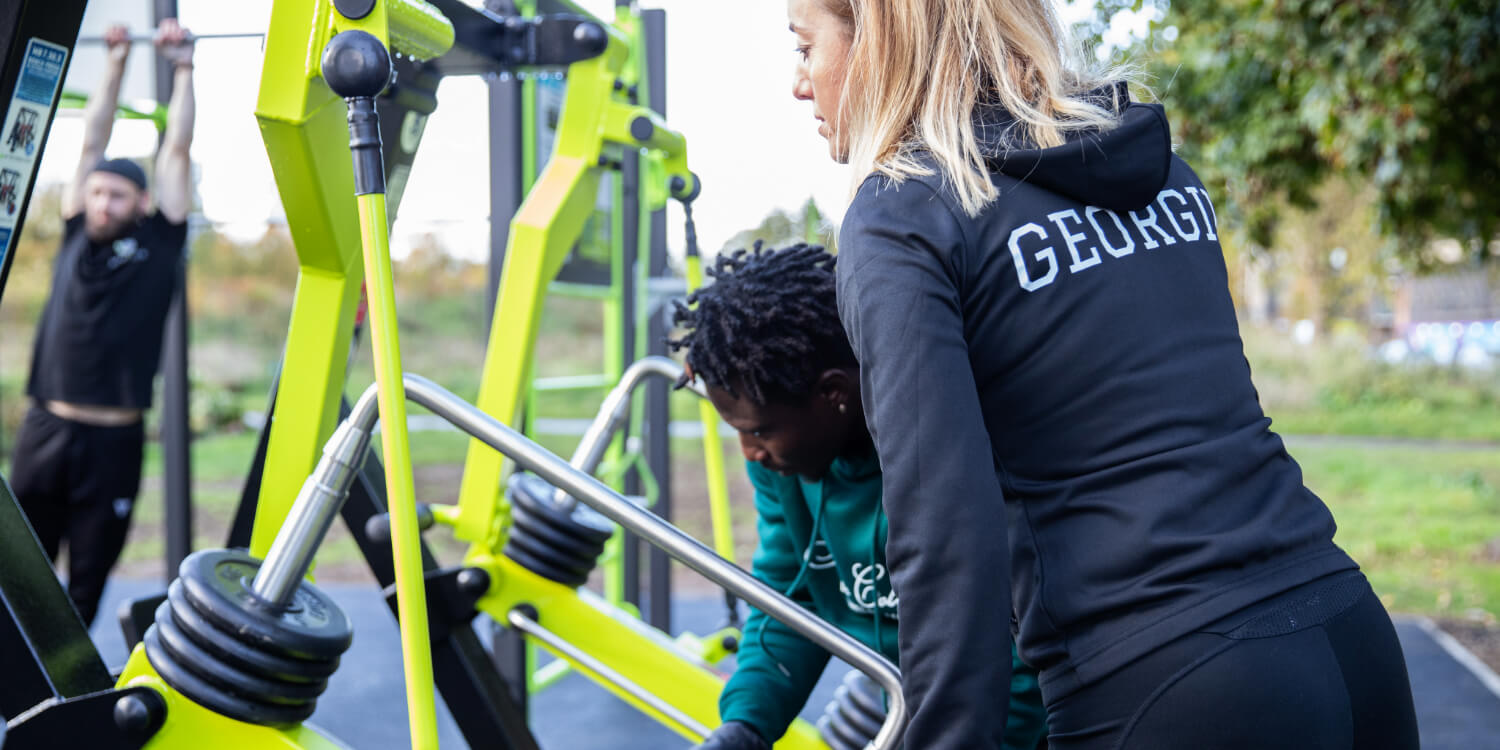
768 325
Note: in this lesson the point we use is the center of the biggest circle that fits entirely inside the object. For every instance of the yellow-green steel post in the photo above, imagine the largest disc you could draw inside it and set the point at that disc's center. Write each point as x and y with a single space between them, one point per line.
713 450
406 544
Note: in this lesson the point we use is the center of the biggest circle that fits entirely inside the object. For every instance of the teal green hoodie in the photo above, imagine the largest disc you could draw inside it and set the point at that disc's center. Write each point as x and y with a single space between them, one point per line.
822 543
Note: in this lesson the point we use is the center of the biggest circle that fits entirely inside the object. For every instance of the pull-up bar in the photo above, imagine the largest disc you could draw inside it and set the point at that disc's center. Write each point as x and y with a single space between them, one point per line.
149 38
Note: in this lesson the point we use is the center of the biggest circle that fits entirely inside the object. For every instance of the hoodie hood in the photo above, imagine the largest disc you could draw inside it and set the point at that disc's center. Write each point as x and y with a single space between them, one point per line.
1121 169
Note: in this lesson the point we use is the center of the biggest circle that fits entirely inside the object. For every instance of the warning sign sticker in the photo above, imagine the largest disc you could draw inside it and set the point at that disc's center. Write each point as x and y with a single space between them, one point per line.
20 141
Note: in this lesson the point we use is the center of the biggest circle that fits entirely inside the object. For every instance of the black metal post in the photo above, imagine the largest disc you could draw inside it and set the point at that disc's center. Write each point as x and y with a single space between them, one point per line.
44 646
506 191
658 415
508 648
630 246
176 433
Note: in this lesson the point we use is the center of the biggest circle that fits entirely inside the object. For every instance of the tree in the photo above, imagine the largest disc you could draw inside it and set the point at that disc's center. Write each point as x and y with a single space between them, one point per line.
1269 99
782 228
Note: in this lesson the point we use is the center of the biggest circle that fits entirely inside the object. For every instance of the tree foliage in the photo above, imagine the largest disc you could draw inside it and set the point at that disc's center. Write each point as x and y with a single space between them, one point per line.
1271 98
781 227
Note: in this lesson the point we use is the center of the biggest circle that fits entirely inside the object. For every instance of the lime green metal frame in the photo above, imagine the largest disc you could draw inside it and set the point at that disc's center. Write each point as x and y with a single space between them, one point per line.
595 117
302 125
339 240
188 725
668 669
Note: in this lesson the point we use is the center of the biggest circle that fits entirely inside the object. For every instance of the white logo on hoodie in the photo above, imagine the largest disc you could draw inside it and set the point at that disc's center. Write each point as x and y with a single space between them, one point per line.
866 596
818 556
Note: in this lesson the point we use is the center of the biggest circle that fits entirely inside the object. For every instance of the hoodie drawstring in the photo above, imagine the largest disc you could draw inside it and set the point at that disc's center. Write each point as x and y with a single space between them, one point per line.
812 542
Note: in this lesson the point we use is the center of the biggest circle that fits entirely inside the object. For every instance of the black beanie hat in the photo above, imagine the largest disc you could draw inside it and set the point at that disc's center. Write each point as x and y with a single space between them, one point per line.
124 168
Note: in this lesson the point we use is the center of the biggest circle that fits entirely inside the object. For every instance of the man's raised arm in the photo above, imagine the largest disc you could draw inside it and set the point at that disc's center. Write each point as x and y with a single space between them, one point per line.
98 117
174 185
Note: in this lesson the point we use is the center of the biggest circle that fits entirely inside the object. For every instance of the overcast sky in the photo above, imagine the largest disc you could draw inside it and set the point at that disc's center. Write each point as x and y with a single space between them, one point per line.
728 90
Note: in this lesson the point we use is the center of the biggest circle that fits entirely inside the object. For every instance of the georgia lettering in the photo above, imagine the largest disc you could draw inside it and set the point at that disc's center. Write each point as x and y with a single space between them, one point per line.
1176 215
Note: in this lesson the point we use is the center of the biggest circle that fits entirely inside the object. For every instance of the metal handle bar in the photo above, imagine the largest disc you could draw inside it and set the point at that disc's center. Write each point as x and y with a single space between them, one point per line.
325 489
520 621
613 412
318 502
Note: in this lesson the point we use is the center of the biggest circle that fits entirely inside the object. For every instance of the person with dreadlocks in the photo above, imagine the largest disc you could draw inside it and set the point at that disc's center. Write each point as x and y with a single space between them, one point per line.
766 341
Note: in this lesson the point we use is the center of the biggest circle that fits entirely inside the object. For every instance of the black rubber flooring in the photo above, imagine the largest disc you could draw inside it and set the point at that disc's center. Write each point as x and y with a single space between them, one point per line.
365 705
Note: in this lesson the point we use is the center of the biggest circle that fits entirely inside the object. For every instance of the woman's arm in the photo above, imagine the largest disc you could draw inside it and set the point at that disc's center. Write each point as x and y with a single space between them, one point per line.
947 544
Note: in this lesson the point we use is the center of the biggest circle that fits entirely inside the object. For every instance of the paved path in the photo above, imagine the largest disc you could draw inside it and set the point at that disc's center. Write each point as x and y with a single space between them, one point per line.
365 706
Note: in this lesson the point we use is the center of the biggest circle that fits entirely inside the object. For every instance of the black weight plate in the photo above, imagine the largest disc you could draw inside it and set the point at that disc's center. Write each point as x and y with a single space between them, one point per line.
243 656
543 568
567 539
217 584
864 693
834 739
535 495
855 716
839 723
856 707
204 694
583 523
190 655
557 557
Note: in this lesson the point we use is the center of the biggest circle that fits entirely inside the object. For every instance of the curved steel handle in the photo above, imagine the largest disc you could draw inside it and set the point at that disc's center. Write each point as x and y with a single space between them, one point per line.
593 493
612 414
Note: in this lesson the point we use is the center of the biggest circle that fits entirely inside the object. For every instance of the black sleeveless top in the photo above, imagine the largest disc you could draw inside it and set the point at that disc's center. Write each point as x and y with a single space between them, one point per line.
100 336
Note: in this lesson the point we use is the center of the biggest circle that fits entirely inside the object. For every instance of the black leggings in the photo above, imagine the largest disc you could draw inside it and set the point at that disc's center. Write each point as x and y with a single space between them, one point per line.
1315 668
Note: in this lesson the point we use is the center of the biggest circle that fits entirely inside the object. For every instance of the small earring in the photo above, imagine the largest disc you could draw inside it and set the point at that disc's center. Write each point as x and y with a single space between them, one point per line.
843 408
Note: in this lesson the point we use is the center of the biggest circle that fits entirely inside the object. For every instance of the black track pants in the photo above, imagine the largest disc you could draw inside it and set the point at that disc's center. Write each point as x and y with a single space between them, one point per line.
78 482
1316 668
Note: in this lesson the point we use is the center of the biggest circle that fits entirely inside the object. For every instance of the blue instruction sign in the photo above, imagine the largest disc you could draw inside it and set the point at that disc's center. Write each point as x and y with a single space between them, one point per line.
41 72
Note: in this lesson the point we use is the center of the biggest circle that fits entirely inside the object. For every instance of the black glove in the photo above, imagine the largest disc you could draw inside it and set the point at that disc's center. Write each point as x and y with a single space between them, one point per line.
734 735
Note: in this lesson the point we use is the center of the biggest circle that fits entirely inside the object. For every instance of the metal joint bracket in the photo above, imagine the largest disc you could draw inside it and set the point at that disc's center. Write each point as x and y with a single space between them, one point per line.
547 41
122 719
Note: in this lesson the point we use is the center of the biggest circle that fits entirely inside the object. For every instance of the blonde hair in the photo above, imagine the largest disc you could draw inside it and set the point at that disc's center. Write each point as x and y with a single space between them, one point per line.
919 68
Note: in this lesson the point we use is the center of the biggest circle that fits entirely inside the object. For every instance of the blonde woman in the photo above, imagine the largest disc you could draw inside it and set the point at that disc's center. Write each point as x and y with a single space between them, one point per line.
1073 452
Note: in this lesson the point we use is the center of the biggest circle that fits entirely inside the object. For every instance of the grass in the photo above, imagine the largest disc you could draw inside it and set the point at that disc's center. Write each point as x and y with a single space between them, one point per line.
1338 388
1424 523
1422 520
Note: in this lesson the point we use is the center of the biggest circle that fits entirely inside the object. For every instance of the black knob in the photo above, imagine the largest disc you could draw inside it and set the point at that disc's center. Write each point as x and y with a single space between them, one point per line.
591 39
356 64
474 582
684 192
378 526
140 714
641 129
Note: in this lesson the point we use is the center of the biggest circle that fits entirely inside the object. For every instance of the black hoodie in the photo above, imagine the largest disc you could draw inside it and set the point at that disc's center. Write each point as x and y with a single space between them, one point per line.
1060 400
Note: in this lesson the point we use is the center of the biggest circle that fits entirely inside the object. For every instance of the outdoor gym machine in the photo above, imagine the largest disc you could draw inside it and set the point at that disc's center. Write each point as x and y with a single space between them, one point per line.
287 633
303 126
228 658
